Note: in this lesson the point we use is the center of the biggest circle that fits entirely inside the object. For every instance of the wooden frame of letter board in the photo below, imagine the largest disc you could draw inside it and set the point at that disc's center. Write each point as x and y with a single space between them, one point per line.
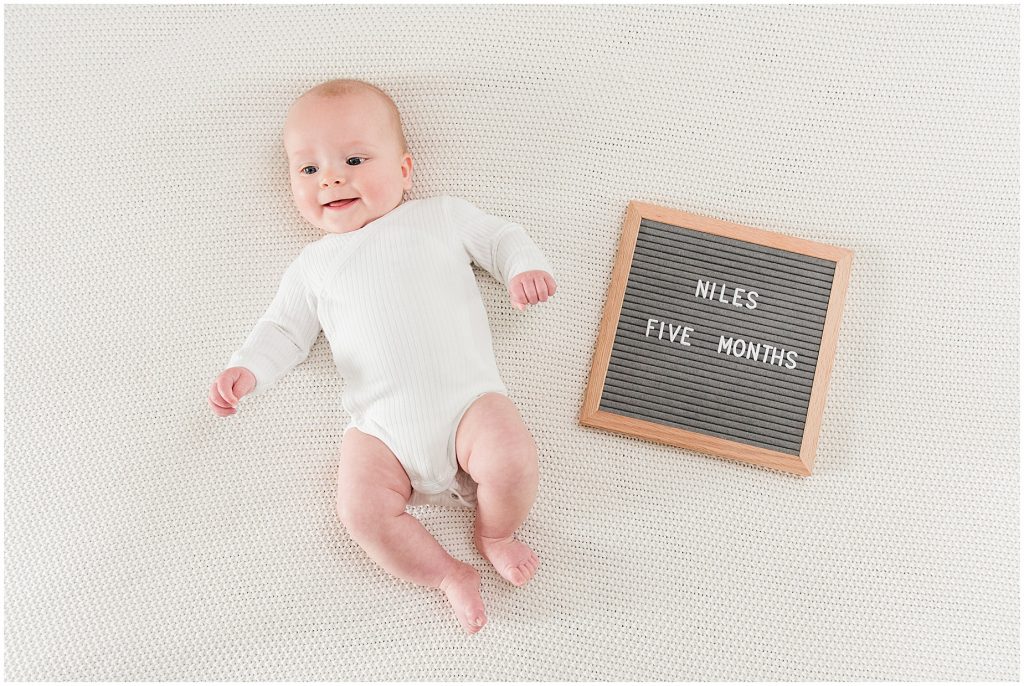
592 416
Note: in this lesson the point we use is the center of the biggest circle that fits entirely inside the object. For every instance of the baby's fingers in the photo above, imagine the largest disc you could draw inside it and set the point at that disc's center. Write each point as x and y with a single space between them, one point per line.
550 283
530 288
518 297
216 398
220 410
218 403
541 285
225 384
220 398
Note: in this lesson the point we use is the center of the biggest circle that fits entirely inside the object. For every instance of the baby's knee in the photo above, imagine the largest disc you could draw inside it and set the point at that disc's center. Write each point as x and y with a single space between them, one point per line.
361 507
513 462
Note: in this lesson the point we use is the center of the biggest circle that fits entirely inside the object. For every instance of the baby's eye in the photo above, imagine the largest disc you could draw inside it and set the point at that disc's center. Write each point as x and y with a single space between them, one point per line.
357 163
303 170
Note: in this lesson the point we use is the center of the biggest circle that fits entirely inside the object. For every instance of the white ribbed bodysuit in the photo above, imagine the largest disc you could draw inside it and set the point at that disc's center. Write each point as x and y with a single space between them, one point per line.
399 304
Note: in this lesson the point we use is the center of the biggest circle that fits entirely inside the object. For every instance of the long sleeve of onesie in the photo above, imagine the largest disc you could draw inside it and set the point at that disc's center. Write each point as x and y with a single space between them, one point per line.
284 335
501 247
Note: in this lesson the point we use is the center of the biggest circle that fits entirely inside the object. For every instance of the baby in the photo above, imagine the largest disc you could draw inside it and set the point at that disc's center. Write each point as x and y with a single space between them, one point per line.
392 285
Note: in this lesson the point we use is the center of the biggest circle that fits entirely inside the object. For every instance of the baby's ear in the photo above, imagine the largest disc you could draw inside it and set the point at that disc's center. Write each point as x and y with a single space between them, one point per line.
407 171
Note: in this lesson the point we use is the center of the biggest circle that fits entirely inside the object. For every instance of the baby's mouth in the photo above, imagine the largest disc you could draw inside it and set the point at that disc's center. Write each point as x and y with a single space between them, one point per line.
341 203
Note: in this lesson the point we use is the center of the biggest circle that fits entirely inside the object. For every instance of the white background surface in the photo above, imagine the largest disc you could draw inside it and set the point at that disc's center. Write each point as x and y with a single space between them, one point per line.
148 221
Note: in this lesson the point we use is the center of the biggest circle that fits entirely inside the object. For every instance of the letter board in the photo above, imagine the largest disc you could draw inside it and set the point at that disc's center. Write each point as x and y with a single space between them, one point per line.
718 337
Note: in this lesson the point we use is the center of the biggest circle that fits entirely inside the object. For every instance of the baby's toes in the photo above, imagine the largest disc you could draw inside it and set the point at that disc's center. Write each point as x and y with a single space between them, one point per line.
519 575
472 622
525 573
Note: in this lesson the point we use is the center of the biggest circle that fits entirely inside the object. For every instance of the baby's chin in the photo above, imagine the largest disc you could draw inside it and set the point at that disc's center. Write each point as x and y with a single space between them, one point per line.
328 224
342 227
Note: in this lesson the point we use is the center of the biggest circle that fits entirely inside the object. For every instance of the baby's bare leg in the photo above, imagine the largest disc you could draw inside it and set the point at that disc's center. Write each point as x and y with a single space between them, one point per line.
494 446
373 489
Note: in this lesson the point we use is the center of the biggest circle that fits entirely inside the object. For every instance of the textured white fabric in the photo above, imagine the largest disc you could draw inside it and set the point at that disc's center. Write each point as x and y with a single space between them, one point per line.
400 307
149 221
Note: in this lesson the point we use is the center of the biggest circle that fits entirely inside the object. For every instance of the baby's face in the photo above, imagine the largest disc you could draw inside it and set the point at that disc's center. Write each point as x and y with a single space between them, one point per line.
344 148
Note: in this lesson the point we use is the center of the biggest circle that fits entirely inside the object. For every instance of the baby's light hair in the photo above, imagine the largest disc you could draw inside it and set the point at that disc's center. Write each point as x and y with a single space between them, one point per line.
341 87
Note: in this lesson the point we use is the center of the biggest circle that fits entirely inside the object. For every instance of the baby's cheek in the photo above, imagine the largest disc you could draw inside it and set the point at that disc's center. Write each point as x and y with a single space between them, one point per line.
314 215
308 206
388 192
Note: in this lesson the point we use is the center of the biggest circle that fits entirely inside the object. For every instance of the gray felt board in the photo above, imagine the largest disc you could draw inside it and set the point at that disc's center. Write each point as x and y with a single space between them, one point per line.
754 398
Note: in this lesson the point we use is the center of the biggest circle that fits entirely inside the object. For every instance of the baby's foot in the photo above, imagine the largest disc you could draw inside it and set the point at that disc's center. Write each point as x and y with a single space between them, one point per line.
463 590
513 560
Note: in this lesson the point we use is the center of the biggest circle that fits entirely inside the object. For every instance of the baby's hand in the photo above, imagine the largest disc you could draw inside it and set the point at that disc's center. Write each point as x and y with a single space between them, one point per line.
228 389
530 288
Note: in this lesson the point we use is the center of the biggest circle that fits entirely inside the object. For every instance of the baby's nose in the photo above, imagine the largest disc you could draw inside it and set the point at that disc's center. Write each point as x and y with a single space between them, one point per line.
328 180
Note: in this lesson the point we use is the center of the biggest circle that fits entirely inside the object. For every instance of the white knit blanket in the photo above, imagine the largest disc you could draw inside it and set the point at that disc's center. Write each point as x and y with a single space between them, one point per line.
149 220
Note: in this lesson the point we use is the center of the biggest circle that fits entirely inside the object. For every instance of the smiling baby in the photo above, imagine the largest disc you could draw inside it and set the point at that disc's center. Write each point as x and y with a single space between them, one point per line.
392 286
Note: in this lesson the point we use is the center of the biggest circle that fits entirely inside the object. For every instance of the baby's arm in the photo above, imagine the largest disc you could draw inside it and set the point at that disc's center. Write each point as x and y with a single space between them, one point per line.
284 335
504 249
